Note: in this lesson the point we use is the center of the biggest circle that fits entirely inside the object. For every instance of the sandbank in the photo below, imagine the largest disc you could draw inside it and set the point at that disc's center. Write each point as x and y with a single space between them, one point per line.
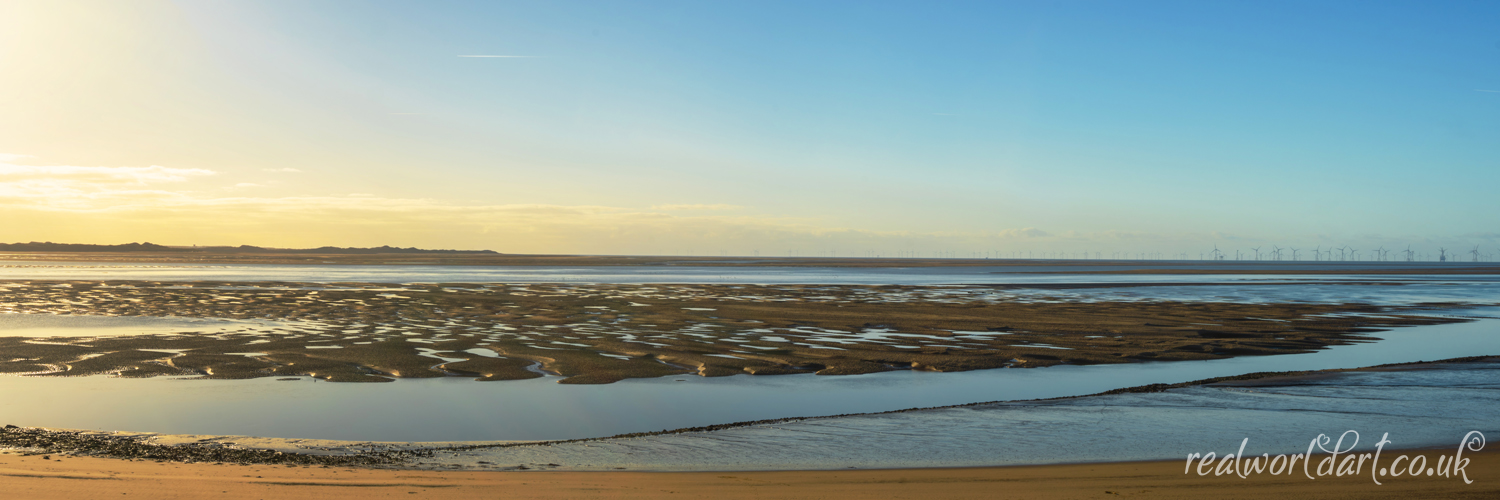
602 333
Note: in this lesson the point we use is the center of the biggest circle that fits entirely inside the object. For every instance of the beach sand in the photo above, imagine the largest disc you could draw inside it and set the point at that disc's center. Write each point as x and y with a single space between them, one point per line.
33 477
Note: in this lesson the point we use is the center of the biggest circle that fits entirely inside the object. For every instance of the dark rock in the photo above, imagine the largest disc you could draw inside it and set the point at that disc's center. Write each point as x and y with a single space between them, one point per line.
137 448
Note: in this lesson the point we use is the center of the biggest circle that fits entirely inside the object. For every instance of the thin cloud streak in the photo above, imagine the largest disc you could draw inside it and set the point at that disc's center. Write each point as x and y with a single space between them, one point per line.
502 57
719 206
136 175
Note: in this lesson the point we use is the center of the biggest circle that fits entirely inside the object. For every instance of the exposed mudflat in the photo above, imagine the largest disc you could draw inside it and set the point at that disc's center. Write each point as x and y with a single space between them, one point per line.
601 333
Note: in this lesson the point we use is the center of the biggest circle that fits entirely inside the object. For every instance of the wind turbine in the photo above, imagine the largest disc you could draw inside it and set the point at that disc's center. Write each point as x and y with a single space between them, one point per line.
1408 253
1354 254
1276 251
1475 252
1294 253
1257 252
1217 254
1442 254
1341 253
1318 253
1380 253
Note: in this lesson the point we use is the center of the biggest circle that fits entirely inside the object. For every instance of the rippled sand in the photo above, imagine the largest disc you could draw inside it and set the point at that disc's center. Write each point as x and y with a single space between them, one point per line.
601 333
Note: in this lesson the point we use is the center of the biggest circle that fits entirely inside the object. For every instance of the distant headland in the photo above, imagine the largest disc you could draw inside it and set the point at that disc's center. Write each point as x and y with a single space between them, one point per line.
152 247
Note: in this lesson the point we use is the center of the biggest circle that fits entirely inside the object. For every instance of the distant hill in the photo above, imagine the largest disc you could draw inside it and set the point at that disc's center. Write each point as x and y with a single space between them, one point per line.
152 247
79 247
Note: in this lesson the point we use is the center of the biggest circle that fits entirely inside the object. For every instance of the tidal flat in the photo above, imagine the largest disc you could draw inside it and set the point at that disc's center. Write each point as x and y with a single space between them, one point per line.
602 333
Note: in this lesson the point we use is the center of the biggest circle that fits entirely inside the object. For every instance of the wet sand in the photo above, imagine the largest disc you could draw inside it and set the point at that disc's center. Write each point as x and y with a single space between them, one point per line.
38 478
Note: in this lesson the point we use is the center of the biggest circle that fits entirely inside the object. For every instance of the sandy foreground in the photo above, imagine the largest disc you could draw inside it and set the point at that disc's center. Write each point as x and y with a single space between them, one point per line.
36 477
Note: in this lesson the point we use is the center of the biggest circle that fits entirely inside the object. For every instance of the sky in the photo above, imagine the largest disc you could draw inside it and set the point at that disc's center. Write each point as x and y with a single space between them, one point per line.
754 128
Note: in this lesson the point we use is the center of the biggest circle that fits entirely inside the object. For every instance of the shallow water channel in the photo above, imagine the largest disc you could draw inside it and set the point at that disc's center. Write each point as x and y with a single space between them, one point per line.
458 409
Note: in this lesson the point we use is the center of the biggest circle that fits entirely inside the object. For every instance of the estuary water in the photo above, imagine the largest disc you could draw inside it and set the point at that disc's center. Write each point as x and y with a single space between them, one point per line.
1434 407
1000 274
1051 282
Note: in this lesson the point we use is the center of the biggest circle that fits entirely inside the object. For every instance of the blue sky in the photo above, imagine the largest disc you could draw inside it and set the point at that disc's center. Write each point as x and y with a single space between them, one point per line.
733 127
